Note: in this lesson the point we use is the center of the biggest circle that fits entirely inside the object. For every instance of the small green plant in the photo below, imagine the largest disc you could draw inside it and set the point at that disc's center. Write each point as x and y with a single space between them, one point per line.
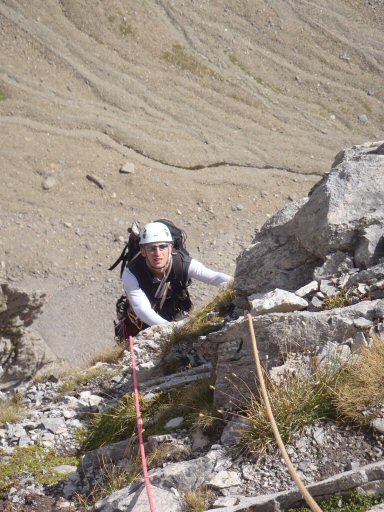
204 321
362 388
184 59
36 460
339 300
193 402
86 376
297 400
353 502
2 96
198 500
126 28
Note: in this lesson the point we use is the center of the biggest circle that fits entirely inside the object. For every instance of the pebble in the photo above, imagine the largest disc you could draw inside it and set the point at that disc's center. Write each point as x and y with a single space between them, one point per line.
49 183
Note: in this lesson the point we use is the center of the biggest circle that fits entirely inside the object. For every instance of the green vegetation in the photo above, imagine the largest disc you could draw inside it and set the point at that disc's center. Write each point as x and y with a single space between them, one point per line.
2 96
184 59
125 28
354 502
298 400
245 70
363 385
86 376
339 300
206 320
31 459
198 500
193 402
342 392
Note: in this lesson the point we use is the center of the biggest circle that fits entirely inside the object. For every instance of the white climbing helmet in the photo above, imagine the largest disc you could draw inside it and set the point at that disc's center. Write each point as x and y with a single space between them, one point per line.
155 232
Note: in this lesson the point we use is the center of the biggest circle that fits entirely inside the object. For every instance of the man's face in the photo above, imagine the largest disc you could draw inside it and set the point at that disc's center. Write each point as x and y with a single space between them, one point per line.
157 254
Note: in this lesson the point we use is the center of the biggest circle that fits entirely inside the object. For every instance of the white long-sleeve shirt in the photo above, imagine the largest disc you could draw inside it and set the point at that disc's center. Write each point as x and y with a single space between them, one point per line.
140 302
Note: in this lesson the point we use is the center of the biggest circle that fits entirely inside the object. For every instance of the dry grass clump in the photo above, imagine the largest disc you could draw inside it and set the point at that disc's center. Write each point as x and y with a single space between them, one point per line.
362 389
198 500
11 410
82 377
185 59
347 392
298 400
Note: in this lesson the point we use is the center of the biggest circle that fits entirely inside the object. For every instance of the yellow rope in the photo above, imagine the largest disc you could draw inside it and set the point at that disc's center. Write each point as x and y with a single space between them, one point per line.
308 498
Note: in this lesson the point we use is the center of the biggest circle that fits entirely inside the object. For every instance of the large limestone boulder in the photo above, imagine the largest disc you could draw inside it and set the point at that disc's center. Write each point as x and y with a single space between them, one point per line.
23 352
230 349
341 225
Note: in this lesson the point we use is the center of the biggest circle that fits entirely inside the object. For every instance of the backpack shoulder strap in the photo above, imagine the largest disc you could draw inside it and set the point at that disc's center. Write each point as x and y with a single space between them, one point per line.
181 262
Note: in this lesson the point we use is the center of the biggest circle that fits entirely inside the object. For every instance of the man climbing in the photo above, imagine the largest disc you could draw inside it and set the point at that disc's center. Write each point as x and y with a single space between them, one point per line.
156 281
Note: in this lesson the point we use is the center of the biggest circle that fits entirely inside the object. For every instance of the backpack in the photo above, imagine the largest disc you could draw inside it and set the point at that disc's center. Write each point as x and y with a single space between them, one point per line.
127 322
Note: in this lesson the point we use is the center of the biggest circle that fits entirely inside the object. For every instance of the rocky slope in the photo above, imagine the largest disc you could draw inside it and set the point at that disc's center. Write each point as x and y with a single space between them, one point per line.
330 458
225 111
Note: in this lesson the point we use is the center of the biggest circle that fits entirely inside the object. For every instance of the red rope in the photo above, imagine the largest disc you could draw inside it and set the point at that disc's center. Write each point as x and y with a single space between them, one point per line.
140 430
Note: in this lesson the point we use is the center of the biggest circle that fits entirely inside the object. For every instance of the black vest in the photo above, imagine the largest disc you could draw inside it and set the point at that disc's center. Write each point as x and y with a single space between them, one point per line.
177 299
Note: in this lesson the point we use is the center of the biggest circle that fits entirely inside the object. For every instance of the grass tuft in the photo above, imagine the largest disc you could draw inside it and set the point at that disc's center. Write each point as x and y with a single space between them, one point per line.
339 300
194 403
11 411
201 323
184 59
298 400
85 376
198 500
362 389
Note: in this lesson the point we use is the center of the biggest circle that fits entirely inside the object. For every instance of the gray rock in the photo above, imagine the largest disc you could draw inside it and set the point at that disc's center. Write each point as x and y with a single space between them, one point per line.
275 301
65 469
378 424
379 309
127 168
335 263
370 245
372 274
333 220
123 501
334 354
226 501
185 475
96 180
375 488
54 425
328 288
233 431
359 341
231 353
316 304
311 287
174 422
224 479
49 183
335 213
263 265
